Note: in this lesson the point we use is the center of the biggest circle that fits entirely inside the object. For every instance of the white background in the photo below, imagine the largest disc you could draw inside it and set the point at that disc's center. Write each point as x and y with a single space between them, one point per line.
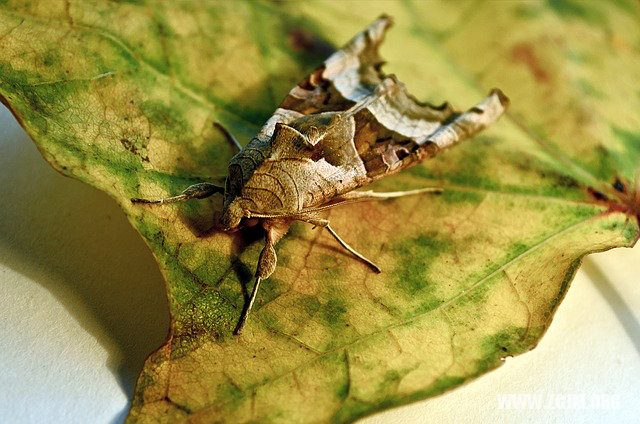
82 303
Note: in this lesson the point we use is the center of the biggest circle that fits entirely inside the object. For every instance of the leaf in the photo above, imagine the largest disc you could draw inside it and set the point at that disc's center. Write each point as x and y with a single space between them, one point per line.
124 96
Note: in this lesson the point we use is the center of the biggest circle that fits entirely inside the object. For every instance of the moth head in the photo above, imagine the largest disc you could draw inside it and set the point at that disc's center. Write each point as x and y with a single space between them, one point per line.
231 216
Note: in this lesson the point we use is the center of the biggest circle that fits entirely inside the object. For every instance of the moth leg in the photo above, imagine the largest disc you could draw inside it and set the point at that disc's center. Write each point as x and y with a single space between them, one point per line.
275 230
195 191
353 251
230 138
320 222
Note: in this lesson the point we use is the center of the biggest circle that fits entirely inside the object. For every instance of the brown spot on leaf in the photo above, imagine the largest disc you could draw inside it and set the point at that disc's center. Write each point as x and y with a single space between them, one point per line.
597 195
525 54
624 198
619 186
128 144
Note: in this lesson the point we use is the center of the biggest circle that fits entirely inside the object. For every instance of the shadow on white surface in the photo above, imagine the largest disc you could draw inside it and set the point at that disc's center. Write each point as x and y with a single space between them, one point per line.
620 308
76 243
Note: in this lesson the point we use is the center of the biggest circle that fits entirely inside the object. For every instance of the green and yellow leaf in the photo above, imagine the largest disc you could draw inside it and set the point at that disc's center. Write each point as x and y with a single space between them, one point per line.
124 96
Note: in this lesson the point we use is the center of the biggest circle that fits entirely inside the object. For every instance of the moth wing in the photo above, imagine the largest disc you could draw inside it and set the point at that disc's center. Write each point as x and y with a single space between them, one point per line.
395 130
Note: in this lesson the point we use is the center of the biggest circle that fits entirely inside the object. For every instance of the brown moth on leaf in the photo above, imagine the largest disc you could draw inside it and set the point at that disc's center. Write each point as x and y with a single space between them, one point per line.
345 126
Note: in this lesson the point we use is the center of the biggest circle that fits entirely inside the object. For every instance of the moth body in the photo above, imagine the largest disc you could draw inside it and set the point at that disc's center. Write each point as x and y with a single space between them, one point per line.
305 164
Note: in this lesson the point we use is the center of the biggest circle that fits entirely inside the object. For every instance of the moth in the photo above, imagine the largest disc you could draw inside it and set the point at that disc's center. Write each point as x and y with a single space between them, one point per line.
343 127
